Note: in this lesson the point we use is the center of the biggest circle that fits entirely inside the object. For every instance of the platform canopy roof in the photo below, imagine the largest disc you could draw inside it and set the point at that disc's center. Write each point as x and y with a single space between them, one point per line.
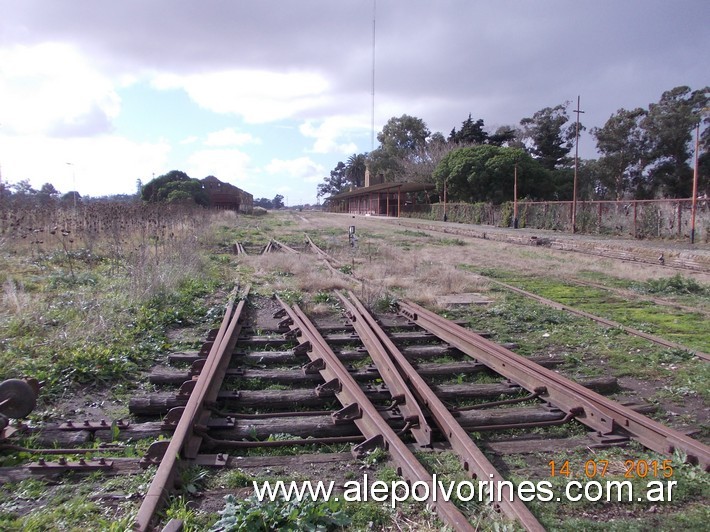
383 187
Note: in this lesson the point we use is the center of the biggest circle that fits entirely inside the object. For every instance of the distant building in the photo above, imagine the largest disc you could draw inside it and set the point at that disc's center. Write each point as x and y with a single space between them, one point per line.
383 199
226 196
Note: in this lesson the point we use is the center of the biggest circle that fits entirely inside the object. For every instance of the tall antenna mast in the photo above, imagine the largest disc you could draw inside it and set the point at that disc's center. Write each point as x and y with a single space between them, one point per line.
372 138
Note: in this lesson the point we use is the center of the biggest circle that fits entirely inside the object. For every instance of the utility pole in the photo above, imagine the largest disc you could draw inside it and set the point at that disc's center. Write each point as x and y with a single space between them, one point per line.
2 189
694 205
576 164
515 197
445 182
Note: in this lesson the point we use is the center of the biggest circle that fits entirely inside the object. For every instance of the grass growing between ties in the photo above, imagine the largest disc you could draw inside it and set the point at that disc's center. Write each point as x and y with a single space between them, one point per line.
80 502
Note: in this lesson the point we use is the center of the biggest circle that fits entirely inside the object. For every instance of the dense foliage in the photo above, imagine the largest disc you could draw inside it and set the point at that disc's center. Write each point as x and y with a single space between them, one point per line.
266 203
486 173
174 186
643 153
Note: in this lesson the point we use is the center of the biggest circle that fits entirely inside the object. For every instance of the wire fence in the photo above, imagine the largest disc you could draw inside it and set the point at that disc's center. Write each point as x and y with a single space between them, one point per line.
666 218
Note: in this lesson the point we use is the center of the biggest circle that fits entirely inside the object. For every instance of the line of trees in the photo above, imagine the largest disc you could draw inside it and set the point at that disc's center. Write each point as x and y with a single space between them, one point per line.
266 203
24 193
643 153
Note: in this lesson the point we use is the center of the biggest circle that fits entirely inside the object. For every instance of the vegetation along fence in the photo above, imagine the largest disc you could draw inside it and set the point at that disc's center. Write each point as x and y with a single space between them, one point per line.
667 218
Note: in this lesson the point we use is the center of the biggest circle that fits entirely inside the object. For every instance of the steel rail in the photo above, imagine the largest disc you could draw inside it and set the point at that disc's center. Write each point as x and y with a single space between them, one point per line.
593 410
359 409
473 460
559 306
283 246
322 253
164 476
327 260
406 402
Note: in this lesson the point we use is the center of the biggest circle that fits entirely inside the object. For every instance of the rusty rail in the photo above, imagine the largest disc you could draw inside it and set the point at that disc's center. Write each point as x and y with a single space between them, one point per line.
609 323
329 260
285 247
474 461
593 410
322 254
183 442
359 409
401 394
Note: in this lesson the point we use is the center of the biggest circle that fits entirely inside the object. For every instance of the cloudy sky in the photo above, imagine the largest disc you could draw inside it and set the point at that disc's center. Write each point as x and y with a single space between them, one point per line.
270 94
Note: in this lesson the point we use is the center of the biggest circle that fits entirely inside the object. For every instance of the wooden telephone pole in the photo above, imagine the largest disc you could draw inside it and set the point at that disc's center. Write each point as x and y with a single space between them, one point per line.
576 164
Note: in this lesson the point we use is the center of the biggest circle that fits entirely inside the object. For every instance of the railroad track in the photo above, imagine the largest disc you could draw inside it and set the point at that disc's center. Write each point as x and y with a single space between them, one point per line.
328 260
210 417
664 257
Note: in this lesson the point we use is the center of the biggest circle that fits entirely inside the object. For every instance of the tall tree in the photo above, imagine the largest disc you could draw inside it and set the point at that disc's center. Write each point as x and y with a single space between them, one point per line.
669 127
470 133
420 167
622 145
277 202
47 193
355 168
400 139
506 136
23 188
336 183
549 138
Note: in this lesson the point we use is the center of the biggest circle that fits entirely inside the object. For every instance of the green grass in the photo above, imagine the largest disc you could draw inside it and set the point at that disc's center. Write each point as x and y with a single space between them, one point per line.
672 286
587 347
129 341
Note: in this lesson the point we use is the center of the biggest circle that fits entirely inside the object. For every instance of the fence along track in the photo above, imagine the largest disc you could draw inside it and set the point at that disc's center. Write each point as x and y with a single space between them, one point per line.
184 441
603 415
474 462
358 408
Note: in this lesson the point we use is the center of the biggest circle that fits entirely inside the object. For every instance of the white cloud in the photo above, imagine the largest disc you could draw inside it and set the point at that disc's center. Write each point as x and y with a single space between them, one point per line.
228 165
329 132
301 168
258 96
99 166
190 140
230 137
52 88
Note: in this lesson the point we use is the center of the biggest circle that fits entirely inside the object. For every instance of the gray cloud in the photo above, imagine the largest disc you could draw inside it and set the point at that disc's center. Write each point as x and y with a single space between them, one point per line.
94 122
439 60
